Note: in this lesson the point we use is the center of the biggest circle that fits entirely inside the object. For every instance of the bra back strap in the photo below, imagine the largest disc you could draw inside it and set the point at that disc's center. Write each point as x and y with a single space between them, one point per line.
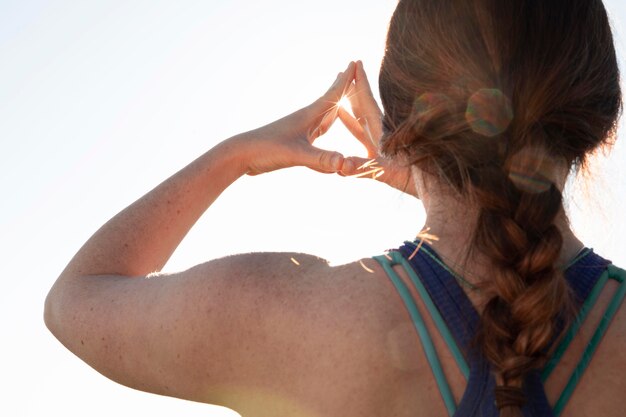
436 316
420 327
587 306
618 275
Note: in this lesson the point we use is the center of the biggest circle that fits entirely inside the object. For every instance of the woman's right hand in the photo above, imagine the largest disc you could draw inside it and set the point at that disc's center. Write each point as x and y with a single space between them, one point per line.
366 126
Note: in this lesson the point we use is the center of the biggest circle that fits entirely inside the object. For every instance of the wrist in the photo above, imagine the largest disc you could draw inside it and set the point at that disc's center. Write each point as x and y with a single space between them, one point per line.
236 152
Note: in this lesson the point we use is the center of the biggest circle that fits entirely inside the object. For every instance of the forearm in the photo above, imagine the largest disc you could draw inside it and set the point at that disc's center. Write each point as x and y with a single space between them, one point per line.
142 237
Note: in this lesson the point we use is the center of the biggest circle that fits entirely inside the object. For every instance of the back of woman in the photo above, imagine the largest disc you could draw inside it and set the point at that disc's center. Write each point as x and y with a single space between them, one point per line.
493 103
496 309
444 373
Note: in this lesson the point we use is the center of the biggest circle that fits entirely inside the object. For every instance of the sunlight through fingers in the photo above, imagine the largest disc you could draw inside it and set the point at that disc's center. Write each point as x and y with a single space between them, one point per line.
376 172
370 270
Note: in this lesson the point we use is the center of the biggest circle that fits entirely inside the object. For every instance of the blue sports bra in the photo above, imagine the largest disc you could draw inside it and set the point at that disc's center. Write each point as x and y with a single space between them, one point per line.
457 321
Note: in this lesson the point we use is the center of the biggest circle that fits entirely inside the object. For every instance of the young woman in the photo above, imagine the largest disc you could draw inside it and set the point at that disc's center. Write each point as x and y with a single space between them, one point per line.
498 307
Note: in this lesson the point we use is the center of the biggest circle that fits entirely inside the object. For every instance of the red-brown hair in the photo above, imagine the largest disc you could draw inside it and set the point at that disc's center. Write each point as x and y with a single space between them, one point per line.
487 95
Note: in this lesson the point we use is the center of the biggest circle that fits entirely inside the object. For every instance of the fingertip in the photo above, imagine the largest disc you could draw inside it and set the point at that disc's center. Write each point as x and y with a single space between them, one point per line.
342 76
351 67
350 167
360 72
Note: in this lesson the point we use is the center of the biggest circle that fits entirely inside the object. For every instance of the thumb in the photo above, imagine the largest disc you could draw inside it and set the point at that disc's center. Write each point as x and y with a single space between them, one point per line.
322 160
357 166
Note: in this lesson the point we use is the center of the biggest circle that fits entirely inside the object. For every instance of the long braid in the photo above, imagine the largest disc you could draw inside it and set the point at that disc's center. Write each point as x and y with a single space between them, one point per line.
526 291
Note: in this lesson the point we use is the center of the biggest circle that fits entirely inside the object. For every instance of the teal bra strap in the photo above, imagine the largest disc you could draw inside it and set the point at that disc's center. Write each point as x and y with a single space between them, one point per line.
427 343
422 331
584 252
434 312
569 336
459 278
618 275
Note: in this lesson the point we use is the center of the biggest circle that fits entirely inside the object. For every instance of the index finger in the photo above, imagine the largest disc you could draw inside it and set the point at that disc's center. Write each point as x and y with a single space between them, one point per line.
360 78
363 90
365 105
341 84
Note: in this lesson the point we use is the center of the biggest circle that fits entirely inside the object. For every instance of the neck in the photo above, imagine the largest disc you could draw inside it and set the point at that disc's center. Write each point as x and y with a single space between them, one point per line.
452 221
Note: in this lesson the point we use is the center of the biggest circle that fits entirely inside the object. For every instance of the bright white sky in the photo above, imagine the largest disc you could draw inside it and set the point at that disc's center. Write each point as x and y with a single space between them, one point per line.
102 100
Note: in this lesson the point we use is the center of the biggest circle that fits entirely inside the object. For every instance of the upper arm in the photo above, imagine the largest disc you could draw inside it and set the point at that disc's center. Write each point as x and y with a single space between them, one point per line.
211 332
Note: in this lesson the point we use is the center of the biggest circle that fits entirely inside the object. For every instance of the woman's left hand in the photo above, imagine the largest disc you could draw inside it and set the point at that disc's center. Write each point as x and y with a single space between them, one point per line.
288 142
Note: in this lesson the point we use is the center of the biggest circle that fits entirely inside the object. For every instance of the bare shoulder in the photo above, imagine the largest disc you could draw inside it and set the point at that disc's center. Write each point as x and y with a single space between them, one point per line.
261 333
293 335
316 336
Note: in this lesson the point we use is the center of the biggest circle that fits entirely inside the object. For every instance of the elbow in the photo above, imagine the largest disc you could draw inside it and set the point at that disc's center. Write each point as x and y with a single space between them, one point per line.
55 310
49 316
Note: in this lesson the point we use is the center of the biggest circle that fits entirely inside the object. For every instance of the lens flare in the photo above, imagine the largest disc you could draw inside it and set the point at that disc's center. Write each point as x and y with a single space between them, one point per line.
489 112
428 103
532 170
530 184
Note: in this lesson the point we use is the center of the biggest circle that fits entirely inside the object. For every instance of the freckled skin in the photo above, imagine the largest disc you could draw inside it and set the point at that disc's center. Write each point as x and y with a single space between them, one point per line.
256 332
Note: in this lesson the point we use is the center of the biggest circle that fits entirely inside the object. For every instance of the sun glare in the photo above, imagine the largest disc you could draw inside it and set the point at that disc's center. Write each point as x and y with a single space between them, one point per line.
345 103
